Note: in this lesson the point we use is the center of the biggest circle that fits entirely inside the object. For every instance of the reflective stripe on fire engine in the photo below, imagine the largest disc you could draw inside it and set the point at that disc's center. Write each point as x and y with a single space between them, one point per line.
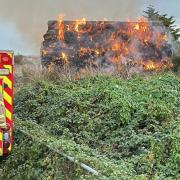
8 67
2 112
8 114
1 143
7 97
7 81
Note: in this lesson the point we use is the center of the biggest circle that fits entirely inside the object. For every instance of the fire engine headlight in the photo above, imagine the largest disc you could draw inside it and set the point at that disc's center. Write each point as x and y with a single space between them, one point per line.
6 136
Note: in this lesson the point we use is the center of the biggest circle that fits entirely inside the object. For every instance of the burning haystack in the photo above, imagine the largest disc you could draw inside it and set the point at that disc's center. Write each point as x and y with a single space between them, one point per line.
140 45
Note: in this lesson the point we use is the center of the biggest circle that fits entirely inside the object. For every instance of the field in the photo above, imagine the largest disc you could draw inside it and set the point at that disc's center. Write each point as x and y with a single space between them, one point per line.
122 128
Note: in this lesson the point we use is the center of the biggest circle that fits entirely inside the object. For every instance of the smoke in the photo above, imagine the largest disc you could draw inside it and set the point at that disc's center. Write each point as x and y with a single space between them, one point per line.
11 37
31 16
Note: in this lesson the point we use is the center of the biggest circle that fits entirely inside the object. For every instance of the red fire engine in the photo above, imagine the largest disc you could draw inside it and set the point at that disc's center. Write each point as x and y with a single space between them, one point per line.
6 102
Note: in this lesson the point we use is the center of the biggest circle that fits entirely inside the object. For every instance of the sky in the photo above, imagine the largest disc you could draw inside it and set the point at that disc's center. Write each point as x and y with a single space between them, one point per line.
23 22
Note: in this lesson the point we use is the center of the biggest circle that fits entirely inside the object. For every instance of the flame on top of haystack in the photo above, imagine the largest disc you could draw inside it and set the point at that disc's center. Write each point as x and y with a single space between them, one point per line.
123 45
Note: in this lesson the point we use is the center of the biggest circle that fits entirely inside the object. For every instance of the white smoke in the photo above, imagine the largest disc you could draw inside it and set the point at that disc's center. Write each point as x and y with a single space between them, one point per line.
31 16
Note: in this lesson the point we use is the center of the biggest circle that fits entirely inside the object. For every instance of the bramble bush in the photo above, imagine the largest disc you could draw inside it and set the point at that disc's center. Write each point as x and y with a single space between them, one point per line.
123 128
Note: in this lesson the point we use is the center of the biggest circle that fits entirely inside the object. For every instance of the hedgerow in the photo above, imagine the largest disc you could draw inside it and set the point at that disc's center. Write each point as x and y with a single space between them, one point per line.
125 129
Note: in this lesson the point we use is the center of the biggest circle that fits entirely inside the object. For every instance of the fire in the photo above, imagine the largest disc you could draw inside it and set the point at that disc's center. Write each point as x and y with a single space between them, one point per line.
136 27
115 59
68 27
64 57
84 51
78 23
134 43
116 46
51 67
61 27
97 52
150 66
160 38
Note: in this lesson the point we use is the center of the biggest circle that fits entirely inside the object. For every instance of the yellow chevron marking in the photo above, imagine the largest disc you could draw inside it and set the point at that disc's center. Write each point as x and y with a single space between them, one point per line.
10 54
8 114
7 81
7 97
8 67
1 141
2 118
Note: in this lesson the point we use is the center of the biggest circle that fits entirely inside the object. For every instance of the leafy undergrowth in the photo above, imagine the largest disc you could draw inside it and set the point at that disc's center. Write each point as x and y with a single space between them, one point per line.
33 160
123 128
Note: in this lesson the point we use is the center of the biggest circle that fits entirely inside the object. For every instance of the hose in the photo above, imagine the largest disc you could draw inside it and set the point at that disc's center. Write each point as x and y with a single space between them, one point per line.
71 159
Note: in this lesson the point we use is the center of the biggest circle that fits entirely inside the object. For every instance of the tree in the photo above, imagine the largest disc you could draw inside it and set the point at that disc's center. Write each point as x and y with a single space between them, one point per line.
151 14
169 22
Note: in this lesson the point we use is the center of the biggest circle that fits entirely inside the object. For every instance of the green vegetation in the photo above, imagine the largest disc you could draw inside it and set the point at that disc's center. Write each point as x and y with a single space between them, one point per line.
125 129
33 160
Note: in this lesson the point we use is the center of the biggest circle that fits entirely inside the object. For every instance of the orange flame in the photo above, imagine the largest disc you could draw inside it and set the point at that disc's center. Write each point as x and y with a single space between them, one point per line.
117 49
64 57
61 27
79 23
150 65
136 27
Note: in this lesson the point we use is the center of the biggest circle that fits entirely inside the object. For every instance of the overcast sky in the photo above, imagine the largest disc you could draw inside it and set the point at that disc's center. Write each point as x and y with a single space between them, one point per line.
23 22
